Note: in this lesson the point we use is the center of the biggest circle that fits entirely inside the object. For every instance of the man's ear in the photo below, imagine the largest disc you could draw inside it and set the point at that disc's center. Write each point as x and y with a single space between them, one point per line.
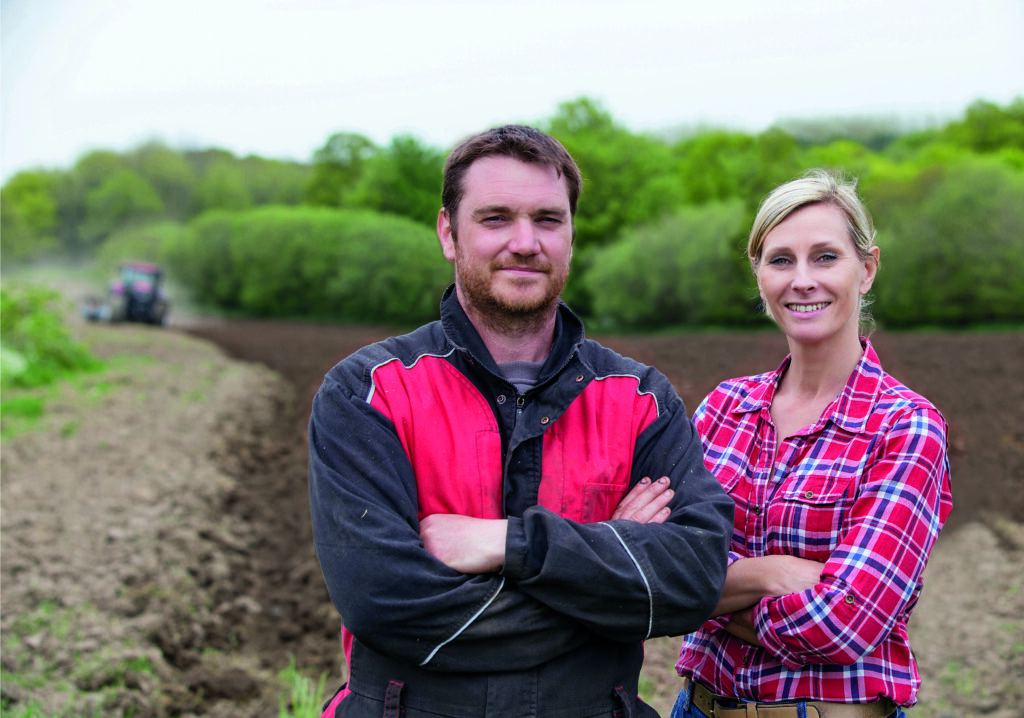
446 234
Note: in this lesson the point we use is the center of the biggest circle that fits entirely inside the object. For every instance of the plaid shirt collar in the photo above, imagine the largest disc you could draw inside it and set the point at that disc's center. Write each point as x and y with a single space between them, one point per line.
850 410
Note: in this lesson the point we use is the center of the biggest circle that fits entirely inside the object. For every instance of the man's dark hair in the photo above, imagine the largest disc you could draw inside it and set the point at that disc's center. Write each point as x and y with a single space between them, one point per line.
519 142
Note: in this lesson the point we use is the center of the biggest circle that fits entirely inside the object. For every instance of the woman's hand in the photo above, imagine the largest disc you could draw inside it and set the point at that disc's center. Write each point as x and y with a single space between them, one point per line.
748 580
647 503
788 574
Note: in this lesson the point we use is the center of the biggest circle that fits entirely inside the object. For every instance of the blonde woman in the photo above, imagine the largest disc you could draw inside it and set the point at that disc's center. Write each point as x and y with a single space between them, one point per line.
841 482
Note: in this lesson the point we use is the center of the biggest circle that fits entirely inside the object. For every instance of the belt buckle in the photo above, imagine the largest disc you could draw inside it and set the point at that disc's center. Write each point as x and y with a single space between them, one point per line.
754 709
701 697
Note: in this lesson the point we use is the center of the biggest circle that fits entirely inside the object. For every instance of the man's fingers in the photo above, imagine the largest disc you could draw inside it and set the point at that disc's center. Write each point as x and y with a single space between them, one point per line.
632 500
646 503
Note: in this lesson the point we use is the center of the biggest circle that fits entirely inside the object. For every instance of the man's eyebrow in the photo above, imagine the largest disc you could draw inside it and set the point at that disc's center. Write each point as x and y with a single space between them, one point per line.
552 212
491 209
488 210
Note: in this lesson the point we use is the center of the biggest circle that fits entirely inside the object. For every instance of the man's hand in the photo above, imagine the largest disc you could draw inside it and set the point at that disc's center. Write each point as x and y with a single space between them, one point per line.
464 543
647 503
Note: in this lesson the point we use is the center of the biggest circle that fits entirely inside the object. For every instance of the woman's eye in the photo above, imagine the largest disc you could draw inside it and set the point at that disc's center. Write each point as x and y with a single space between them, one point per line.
778 260
828 257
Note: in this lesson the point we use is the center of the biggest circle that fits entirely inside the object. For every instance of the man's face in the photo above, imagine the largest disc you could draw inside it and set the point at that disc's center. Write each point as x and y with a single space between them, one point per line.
514 239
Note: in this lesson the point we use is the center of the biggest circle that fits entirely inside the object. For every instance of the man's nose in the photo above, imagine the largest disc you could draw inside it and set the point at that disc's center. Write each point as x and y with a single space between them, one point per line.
524 238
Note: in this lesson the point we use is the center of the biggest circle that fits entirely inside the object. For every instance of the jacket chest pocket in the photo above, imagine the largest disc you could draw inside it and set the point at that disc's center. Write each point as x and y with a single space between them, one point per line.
583 486
806 514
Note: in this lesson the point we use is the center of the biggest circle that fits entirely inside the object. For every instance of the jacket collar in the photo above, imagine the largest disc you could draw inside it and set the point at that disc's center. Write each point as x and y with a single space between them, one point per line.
461 332
850 410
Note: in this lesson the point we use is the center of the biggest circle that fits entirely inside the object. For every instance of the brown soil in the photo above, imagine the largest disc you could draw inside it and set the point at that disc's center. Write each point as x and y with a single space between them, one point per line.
157 558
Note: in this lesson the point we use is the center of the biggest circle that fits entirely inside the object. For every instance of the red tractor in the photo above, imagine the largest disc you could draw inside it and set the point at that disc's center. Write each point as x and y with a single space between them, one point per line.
135 296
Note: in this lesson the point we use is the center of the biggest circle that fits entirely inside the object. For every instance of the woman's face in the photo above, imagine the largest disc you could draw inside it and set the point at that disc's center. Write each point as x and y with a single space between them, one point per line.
811 278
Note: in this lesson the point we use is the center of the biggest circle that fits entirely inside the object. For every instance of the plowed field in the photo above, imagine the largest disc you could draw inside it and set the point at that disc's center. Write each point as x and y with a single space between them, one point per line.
162 509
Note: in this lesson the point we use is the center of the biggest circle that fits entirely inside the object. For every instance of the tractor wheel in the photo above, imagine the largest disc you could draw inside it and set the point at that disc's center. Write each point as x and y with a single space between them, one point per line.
159 314
118 308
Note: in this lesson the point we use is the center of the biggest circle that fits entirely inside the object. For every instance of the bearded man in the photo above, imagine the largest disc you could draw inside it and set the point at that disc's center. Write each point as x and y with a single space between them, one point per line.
469 480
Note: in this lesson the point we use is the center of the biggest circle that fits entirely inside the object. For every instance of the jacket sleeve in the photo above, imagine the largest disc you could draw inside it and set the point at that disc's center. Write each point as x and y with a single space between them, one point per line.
868 582
625 580
393 595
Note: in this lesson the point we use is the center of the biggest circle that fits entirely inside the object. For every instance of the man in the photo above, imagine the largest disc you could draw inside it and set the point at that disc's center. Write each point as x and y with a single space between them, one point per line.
465 478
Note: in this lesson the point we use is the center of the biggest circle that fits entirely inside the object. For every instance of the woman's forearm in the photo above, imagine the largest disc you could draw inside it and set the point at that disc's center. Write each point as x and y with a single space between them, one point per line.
748 580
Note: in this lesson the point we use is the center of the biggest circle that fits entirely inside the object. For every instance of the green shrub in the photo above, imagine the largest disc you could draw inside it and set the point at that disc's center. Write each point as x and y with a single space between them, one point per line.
149 242
37 345
315 262
688 268
955 256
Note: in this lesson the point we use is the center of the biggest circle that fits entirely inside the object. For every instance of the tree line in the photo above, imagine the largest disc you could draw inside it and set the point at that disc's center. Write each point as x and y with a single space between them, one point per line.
661 226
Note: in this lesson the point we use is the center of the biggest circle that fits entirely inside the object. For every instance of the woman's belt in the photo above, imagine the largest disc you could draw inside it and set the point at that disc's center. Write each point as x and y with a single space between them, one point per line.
711 705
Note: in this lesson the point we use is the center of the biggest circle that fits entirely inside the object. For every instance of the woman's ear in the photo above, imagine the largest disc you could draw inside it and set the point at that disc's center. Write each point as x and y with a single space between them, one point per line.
870 270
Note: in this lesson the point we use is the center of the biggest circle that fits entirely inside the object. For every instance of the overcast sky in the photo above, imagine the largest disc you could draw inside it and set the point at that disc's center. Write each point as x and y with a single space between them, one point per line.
277 78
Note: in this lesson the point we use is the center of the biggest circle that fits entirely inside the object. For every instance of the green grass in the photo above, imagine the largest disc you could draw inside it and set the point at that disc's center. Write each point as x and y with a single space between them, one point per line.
26 407
300 697
962 679
24 410
33 659
28 666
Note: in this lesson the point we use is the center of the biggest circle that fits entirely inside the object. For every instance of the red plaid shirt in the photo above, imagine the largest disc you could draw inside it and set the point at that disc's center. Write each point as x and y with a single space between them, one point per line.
865 490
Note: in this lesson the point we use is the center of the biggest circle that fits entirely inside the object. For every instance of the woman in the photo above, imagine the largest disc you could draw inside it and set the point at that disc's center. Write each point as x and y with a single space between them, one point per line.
841 483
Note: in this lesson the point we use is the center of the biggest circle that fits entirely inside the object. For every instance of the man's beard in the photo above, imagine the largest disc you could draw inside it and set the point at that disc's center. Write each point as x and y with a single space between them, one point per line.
510 315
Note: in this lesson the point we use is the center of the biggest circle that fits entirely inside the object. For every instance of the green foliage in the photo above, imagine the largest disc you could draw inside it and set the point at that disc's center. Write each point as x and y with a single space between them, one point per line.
954 255
32 327
169 174
124 198
28 215
23 407
404 179
301 699
274 181
222 186
986 128
147 203
627 178
688 268
716 165
314 262
989 128
148 242
337 167
874 132
96 167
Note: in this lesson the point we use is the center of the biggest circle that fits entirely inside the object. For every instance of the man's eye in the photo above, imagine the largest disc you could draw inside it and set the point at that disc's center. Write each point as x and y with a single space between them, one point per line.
550 220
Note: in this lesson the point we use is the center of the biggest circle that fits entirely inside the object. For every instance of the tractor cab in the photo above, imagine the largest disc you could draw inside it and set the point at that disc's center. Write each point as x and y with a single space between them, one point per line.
136 294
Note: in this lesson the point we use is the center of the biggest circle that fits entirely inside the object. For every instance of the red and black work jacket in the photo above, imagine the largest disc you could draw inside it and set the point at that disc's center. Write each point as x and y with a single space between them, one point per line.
425 423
